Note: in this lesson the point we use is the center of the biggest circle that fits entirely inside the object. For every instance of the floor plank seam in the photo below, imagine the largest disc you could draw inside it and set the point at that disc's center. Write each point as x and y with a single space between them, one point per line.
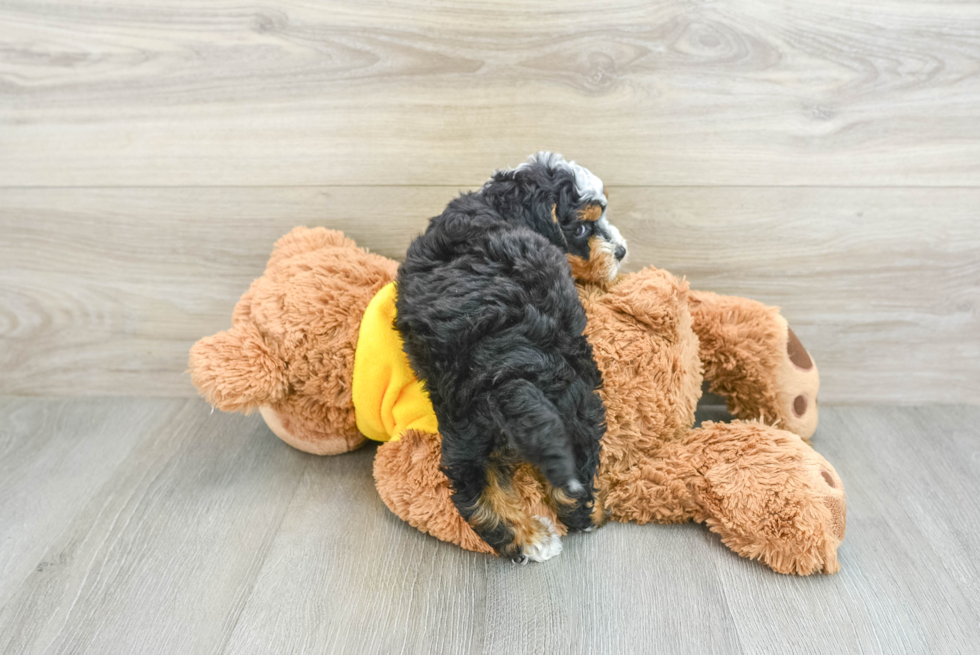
728 606
223 647
58 538
140 489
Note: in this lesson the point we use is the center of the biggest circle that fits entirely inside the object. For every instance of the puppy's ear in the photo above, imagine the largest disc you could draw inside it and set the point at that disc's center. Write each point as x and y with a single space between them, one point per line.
237 371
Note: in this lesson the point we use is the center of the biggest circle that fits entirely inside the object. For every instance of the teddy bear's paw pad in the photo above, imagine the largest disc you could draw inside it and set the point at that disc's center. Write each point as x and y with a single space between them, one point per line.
547 545
797 353
797 383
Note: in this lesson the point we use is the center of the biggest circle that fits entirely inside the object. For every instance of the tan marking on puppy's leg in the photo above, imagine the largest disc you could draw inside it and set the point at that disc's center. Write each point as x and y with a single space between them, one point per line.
499 501
554 214
557 499
599 514
560 497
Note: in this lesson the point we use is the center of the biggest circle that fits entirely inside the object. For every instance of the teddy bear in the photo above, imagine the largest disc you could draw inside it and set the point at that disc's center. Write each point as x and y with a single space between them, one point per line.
313 348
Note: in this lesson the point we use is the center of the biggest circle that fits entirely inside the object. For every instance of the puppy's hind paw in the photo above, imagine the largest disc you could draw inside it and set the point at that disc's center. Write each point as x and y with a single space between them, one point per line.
547 545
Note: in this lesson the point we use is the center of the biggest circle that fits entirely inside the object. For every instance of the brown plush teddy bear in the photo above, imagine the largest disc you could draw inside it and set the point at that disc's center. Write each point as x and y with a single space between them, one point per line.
312 347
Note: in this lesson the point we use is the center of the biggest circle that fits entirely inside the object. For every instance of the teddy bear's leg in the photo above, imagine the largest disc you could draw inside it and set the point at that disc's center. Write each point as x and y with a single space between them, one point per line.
765 491
753 359
770 496
411 483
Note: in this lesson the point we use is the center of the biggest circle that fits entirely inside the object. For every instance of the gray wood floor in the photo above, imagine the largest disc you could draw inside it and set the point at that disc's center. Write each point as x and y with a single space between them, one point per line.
154 526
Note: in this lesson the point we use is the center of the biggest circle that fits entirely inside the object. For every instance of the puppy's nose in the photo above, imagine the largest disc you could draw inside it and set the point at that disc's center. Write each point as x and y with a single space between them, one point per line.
620 253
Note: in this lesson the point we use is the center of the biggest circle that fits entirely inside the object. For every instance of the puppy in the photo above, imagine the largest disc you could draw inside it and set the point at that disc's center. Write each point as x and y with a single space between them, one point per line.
492 324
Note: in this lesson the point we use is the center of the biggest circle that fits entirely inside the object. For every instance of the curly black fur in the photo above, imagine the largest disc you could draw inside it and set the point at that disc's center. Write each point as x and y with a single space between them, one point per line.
493 325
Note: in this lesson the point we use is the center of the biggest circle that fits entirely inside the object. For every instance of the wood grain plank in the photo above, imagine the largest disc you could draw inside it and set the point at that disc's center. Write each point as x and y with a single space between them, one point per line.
624 589
903 587
54 456
162 559
346 576
169 92
102 291
931 467
882 285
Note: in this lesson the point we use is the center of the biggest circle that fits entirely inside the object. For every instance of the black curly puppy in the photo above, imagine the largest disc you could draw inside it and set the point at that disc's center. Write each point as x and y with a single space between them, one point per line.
492 323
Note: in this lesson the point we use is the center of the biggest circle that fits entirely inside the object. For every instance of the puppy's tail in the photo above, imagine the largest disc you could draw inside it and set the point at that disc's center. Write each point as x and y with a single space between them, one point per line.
535 430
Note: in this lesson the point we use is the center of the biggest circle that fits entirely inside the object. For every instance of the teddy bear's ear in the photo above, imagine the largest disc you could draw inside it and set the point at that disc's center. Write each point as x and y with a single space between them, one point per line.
236 370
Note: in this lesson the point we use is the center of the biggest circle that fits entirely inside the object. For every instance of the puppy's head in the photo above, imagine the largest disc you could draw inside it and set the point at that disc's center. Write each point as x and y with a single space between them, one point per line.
566 203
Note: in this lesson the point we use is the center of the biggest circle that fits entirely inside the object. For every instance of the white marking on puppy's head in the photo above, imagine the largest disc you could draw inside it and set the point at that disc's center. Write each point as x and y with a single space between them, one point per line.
614 244
587 183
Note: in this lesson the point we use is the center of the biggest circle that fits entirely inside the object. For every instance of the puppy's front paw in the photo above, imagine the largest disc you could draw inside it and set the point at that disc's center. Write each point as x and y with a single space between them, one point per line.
584 514
547 543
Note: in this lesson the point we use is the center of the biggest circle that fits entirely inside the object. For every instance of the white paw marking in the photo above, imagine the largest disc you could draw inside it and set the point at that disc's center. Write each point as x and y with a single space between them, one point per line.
575 487
550 545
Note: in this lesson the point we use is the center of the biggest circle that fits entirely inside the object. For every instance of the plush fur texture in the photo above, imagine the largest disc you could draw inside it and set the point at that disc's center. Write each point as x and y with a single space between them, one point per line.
765 490
492 323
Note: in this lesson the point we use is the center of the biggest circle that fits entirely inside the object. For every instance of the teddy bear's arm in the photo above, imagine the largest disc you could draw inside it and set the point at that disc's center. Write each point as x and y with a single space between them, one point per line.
753 359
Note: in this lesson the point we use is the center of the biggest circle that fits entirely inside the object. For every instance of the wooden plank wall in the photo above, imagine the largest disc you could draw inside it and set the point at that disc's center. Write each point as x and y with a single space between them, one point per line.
824 157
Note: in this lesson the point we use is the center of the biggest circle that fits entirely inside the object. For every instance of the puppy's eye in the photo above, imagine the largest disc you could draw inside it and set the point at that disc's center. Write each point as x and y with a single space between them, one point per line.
581 231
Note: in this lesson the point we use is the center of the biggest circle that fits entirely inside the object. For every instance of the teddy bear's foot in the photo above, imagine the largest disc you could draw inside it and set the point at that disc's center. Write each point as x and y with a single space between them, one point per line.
770 496
796 383
753 359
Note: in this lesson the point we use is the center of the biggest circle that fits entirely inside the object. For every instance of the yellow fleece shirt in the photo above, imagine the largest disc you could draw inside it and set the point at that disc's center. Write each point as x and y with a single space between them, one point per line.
388 398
